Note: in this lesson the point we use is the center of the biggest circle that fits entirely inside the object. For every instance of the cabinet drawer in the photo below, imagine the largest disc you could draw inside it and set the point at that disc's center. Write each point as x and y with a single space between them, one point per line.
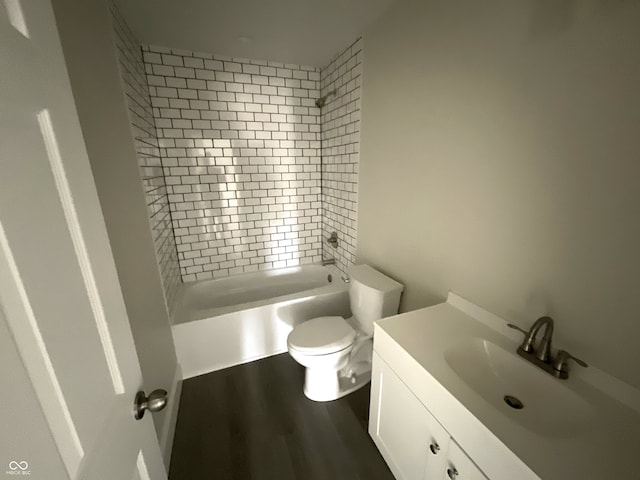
459 462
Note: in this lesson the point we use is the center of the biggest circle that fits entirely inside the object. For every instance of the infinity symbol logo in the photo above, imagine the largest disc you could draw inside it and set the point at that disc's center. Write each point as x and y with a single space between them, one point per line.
23 465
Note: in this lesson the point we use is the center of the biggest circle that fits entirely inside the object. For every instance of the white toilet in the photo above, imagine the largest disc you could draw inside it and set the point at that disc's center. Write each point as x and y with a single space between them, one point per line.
336 351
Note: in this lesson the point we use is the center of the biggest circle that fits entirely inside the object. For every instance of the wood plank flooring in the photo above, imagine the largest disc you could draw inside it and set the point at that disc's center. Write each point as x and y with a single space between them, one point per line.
253 422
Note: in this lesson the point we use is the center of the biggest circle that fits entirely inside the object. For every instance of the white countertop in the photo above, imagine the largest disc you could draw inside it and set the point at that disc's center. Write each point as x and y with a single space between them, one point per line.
606 447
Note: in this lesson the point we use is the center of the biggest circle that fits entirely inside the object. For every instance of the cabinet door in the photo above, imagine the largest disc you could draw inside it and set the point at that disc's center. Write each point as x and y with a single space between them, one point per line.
398 424
438 450
460 467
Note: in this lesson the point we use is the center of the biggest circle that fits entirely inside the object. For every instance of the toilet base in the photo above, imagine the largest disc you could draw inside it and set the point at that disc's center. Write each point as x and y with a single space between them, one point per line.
322 385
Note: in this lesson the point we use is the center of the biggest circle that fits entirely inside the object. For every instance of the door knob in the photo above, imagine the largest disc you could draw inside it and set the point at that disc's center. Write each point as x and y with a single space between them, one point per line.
155 402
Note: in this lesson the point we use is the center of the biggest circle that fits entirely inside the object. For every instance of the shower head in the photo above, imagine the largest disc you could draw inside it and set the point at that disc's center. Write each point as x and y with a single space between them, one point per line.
323 100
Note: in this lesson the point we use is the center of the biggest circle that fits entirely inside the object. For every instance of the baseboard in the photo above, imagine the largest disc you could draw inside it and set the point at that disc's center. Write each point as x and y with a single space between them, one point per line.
166 442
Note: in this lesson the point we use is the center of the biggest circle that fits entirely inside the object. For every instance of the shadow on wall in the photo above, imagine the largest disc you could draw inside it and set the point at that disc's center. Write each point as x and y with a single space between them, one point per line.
551 17
515 161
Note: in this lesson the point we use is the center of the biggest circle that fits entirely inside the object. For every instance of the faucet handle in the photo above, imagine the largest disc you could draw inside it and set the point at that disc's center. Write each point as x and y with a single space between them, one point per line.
561 363
526 344
515 327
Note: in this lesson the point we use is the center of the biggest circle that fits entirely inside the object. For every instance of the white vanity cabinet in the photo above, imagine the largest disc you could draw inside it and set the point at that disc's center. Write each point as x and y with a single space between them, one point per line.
441 376
413 443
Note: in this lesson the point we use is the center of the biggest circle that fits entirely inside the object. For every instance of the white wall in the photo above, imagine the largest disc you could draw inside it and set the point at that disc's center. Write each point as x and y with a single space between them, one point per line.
143 128
500 145
289 31
340 126
88 44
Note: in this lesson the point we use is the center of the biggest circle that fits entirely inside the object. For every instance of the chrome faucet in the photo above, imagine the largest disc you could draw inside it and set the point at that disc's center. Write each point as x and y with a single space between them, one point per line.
540 354
544 346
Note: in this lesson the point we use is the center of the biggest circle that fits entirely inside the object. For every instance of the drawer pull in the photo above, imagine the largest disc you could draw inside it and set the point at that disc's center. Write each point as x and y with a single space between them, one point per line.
435 448
452 472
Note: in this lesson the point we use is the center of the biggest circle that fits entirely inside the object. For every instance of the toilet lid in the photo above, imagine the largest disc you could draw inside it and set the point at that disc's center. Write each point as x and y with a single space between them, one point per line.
321 336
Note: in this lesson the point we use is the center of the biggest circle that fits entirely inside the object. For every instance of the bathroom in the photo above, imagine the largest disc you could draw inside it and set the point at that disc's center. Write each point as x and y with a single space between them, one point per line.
246 157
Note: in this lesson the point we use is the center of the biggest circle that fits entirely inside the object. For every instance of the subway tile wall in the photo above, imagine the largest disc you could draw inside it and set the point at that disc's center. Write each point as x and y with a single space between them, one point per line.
340 138
146 142
240 146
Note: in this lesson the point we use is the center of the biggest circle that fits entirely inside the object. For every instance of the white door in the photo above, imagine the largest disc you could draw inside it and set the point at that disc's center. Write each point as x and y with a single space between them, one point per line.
398 423
59 290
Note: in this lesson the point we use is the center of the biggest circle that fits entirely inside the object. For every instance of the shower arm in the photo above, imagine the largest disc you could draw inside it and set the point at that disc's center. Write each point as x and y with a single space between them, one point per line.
323 100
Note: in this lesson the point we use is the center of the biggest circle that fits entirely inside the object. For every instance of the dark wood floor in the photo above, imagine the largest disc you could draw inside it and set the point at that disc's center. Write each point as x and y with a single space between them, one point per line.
253 422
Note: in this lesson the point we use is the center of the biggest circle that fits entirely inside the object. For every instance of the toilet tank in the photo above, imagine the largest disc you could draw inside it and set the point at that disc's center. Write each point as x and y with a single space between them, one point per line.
372 296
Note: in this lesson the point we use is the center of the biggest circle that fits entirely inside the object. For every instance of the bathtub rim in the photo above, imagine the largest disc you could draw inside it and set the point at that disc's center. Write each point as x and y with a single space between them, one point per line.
181 316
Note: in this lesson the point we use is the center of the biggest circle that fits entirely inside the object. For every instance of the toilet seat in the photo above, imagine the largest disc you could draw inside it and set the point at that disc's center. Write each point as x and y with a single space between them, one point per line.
322 336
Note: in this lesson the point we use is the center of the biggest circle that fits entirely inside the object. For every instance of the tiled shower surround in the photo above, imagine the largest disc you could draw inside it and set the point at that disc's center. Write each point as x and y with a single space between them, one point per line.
241 170
340 138
146 142
240 146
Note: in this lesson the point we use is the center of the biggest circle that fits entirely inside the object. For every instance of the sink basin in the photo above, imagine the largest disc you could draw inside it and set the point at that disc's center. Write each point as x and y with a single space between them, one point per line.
521 391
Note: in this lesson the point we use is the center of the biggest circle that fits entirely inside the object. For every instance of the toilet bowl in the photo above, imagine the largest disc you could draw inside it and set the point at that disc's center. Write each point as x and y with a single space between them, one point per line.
323 345
336 352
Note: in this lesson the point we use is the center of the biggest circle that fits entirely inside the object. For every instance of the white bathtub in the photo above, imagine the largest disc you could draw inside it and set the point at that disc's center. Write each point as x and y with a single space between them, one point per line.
234 320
